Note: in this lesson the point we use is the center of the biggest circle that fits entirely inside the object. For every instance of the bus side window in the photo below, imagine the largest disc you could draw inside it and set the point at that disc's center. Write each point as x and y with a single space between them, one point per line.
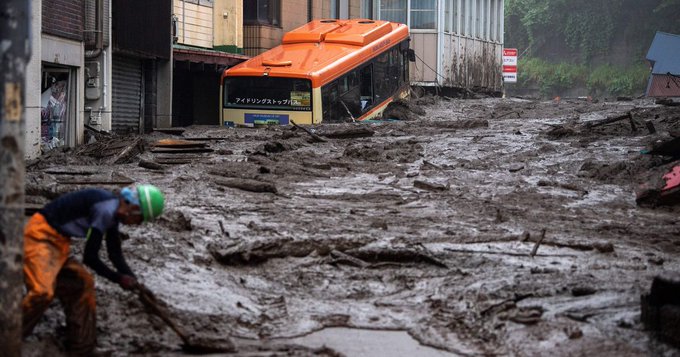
386 74
329 102
366 91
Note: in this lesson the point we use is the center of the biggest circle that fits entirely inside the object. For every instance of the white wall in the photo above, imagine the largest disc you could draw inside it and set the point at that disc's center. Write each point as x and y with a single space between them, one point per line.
33 74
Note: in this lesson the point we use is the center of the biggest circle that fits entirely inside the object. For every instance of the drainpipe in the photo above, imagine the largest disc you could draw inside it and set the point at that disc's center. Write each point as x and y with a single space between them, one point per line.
99 31
310 16
184 23
104 84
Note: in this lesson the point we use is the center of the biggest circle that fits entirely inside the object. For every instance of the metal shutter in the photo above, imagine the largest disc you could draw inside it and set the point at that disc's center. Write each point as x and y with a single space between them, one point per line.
127 95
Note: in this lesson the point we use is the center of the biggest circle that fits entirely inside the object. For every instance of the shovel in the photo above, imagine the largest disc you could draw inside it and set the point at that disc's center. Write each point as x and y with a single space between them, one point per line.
189 345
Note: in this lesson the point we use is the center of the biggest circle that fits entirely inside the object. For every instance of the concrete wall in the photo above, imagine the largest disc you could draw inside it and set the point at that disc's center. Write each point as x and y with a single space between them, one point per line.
228 25
33 77
467 56
471 63
258 39
294 13
194 24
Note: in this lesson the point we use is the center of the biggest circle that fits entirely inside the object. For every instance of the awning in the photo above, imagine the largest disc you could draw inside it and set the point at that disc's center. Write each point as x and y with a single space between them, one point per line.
205 56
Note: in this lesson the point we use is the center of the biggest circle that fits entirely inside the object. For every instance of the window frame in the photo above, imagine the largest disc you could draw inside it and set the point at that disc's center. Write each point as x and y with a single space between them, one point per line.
270 18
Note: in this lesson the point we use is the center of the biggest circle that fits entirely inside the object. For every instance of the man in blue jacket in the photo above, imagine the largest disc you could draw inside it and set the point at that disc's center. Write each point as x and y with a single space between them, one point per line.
49 271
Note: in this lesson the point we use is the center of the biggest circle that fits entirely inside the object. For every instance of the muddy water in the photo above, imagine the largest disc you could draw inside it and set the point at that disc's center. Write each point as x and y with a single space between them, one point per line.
368 343
438 220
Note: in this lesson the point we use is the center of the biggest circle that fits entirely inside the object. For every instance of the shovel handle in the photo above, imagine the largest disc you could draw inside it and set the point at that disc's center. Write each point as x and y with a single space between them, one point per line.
152 304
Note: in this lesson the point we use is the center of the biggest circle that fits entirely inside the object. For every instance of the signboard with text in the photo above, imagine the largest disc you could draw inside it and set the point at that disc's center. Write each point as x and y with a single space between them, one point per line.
510 65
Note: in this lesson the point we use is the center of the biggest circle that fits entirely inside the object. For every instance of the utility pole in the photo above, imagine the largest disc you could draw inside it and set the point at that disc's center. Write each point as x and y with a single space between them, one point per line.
15 42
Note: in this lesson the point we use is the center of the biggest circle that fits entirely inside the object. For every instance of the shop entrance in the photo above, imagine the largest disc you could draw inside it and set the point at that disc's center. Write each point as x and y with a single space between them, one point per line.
57 101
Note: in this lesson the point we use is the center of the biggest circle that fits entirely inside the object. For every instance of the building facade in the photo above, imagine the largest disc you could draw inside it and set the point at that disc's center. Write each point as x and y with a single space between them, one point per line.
99 65
208 38
458 43
266 21
663 54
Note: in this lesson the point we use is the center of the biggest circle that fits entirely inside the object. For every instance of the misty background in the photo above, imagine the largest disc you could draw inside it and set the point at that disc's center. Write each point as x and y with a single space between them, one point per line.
583 47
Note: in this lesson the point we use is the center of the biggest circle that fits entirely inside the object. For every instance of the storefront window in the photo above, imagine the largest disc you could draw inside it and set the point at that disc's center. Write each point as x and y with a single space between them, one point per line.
54 113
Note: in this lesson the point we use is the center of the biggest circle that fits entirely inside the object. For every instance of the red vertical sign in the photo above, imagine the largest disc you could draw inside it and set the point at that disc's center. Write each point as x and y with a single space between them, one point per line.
510 65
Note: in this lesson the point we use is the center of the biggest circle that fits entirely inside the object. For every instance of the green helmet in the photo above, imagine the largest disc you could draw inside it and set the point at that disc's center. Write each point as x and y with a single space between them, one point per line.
151 201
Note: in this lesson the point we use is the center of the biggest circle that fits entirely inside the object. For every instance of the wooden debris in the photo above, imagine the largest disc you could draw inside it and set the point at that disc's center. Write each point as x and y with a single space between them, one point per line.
430 186
171 161
315 138
171 150
426 164
396 255
669 147
69 172
650 126
667 102
105 133
150 165
538 243
511 254
609 120
175 143
633 126
517 113
95 182
205 138
340 257
247 184
134 147
355 132
224 231
175 131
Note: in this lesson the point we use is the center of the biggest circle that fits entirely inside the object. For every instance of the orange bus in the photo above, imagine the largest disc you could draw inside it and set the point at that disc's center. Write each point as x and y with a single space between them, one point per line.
326 70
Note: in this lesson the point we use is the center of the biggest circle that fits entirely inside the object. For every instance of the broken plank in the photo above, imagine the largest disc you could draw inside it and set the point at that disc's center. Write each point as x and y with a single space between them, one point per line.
176 131
315 137
95 182
205 138
511 254
152 165
68 172
430 186
129 150
608 120
361 132
180 150
346 258
247 184
538 243
178 161
175 143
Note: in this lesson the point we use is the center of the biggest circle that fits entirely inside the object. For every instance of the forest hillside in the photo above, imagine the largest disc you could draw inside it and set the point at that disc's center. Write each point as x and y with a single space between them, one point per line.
585 47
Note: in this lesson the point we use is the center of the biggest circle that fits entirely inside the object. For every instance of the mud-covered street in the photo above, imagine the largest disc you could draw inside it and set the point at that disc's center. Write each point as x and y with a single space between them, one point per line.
480 227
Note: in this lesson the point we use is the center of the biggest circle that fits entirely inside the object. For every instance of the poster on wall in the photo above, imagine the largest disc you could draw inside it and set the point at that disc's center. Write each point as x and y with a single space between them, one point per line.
54 113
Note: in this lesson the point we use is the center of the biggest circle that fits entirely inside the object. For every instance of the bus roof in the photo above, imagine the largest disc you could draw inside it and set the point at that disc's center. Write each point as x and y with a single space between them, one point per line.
322 50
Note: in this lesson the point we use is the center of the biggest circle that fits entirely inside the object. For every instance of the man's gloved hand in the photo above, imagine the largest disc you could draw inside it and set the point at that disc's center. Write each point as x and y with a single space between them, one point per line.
127 282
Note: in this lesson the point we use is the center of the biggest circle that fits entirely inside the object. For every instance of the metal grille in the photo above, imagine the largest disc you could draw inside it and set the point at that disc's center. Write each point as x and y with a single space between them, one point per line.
127 95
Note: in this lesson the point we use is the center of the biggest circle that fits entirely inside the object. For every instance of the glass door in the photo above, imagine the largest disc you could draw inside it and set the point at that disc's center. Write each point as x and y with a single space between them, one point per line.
56 114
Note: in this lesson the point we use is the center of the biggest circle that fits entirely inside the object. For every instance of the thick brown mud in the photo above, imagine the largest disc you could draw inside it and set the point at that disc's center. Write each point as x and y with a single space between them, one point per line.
479 227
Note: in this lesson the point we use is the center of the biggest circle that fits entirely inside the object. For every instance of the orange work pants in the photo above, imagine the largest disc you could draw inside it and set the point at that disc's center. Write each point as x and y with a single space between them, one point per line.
49 271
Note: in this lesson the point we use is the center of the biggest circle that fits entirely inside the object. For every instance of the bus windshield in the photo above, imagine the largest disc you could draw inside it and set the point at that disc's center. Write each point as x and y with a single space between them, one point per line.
268 93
